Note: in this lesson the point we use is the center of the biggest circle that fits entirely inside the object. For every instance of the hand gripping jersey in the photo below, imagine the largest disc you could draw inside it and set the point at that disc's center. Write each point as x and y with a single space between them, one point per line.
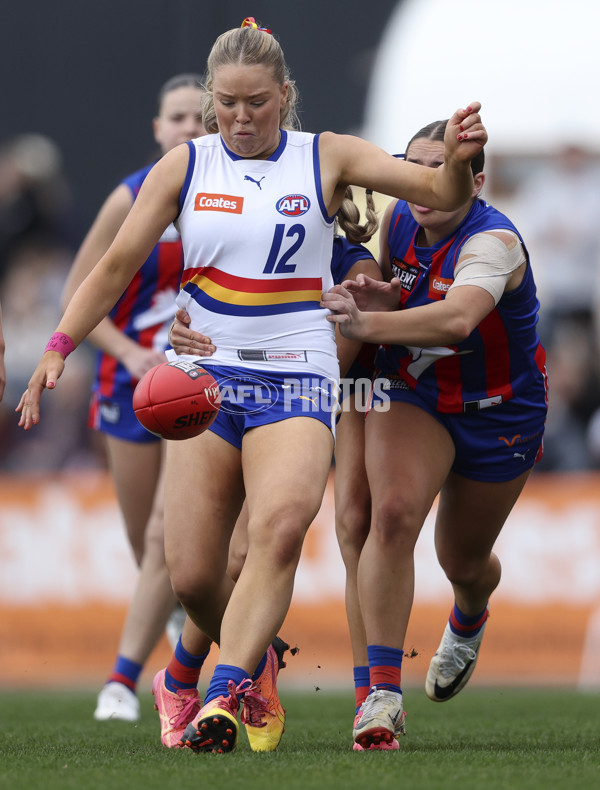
146 309
501 358
257 249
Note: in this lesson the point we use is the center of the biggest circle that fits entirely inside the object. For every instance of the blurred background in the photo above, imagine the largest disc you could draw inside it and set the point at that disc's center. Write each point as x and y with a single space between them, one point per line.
79 85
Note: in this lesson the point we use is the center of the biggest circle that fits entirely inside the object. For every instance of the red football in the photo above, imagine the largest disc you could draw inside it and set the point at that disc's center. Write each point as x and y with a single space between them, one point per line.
176 400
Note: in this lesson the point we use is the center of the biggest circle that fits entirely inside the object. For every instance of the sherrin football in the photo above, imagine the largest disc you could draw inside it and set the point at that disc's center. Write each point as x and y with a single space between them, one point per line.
177 400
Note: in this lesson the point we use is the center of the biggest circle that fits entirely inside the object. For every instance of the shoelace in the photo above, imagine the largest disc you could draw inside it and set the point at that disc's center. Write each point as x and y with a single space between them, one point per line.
189 705
378 702
232 702
254 706
456 655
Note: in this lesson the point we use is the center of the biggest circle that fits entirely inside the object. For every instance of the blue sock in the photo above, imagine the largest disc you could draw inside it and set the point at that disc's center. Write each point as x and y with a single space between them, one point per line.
220 680
126 672
259 669
385 666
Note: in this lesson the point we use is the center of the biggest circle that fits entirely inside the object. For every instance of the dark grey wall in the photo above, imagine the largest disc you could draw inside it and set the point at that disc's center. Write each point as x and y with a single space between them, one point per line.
86 73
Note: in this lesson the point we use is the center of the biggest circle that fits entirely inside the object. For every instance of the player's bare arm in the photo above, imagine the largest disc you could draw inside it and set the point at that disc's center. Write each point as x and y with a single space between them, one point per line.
348 160
449 321
156 206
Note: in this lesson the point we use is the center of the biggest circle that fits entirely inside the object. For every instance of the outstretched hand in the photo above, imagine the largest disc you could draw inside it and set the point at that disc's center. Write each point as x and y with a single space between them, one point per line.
44 377
465 134
374 295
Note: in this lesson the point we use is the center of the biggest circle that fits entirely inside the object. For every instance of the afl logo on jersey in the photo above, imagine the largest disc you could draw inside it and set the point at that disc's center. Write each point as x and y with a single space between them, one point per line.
293 205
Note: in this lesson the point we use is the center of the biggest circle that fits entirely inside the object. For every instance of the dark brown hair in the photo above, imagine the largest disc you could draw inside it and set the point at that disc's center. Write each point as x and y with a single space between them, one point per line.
435 131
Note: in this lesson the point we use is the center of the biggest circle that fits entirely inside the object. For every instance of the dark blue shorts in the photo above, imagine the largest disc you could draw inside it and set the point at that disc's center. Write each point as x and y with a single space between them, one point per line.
495 444
252 398
115 416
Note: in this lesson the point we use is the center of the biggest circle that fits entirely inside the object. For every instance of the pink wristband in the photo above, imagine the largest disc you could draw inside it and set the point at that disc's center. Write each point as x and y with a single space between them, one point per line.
61 343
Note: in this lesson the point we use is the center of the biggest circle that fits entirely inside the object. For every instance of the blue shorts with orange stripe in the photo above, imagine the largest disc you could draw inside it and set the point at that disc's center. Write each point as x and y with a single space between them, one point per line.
492 444
251 398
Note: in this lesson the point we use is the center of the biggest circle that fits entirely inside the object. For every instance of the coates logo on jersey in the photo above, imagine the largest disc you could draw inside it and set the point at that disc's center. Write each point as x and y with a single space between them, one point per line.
293 205
439 287
206 201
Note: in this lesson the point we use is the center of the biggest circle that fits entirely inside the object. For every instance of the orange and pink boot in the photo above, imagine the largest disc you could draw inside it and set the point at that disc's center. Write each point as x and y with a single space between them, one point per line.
176 710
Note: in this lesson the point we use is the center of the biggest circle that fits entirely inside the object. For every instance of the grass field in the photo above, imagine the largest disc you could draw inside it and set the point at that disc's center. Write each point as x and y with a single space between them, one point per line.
514 739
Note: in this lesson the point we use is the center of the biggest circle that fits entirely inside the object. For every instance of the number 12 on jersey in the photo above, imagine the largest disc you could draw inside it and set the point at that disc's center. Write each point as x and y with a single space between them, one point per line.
277 262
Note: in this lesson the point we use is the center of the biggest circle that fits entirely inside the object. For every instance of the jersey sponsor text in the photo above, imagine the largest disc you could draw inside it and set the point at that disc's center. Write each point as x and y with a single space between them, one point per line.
206 201
405 272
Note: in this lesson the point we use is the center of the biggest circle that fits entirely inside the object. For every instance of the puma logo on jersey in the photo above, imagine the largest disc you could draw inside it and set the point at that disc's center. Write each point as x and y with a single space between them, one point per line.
206 201
254 181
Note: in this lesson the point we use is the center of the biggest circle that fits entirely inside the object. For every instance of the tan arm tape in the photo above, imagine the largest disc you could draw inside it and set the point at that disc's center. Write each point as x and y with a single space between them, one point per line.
486 261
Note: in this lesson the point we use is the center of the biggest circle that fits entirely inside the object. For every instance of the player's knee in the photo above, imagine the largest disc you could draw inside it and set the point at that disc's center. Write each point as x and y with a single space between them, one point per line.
464 572
396 521
287 546
193 588
280 539
352 525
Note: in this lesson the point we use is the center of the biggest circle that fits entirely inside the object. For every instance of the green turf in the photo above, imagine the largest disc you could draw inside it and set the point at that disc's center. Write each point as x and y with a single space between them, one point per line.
484 739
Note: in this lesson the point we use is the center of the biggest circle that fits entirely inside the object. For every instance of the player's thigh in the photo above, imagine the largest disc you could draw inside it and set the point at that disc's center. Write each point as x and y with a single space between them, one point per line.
408 456
203 494
135 468
471 514
286 466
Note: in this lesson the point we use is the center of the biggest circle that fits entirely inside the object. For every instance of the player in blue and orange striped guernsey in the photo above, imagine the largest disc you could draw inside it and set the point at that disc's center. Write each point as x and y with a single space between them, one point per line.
349 259
256 199
131 340
463 372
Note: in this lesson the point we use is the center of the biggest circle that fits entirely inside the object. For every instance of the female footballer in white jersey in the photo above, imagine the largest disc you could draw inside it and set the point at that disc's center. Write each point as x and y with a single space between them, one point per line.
255 203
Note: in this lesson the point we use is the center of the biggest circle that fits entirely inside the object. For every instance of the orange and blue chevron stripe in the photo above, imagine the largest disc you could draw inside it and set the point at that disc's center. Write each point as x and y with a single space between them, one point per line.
228 294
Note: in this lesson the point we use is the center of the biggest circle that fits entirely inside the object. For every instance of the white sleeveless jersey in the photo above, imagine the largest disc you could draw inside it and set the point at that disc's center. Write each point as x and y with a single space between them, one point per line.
257 244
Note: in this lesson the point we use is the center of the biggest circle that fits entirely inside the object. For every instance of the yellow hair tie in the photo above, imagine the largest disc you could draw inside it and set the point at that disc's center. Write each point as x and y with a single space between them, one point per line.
250 21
